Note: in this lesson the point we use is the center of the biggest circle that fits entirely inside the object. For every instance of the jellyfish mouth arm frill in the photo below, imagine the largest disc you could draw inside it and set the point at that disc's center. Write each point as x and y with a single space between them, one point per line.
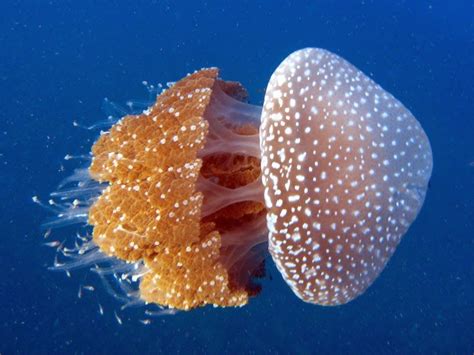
166 169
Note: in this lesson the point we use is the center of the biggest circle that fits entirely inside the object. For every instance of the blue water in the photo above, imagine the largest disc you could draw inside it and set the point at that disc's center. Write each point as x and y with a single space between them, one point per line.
59 59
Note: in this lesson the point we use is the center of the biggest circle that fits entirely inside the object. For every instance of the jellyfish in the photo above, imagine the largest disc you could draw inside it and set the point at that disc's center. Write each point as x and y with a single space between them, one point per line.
187 197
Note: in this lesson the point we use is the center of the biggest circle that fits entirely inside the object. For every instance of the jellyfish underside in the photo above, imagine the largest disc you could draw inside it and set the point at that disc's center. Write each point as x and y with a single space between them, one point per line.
184 195
230 183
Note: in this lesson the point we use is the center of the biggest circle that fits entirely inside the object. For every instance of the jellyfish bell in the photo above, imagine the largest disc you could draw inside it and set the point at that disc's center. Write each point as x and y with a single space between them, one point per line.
185 198
345 168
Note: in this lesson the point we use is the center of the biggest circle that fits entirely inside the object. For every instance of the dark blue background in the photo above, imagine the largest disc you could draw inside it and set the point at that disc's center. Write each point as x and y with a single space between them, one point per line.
59 59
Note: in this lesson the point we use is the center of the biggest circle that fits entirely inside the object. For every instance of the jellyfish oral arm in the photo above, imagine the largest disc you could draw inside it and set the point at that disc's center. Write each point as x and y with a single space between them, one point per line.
217 197
184 196
225 112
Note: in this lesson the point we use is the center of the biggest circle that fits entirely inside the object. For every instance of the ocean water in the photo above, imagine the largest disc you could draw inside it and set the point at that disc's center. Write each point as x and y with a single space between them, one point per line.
60 59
